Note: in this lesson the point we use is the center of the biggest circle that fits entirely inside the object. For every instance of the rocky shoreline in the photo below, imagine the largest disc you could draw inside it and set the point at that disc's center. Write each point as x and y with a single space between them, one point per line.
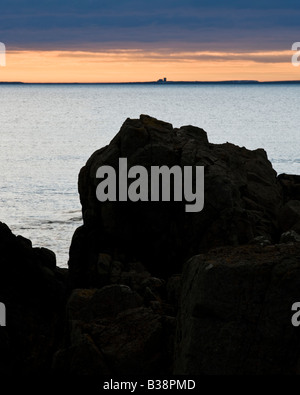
154 290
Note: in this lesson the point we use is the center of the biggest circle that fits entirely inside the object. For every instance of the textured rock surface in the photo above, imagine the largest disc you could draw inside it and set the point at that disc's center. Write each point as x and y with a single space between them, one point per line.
235 312
112 333
242 199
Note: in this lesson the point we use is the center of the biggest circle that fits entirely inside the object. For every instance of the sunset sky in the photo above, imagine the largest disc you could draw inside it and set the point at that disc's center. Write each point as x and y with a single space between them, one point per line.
136 40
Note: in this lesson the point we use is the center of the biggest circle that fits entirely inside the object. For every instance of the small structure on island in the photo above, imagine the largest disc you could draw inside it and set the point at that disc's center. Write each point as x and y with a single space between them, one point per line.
162 80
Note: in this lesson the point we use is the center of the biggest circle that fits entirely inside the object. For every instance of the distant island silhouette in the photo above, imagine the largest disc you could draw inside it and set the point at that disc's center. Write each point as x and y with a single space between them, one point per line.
158 82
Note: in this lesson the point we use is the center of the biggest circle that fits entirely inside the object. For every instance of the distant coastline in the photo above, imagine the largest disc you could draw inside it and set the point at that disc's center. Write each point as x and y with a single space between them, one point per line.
159 82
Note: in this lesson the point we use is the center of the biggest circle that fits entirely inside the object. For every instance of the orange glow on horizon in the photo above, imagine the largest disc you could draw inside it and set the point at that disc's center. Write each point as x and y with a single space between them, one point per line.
138 66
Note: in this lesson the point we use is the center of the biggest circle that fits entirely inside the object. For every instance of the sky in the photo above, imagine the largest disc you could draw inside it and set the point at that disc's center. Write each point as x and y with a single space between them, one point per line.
130 40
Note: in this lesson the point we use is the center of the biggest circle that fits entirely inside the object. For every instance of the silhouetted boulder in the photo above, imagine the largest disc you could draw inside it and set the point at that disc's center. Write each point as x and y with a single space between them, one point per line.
242 199
33 290
235 312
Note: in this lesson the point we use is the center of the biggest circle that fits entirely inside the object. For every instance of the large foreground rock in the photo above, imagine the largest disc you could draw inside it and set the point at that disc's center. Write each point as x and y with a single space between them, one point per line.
235 312
118 315
242 200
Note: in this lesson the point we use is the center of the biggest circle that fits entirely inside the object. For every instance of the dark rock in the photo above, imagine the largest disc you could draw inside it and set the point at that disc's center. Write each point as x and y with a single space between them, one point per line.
81 359
111 333
34 293
88 305
134 275
173 289
138 342
290 237
48 257
242 199
289 216
290 184
261 240
235 312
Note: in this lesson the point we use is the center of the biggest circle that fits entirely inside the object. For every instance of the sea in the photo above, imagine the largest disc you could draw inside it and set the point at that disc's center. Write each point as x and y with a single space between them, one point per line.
48 132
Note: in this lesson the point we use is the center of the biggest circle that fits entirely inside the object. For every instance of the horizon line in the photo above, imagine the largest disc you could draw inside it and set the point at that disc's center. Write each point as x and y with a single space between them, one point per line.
155 82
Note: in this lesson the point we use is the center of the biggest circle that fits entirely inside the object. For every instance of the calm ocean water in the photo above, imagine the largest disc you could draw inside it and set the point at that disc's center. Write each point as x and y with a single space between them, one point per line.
49 131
